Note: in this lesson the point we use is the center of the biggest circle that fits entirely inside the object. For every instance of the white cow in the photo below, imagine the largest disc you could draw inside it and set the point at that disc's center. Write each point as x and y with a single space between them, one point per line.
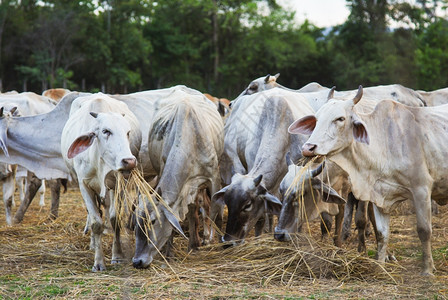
392 154
28 104
185 142
101 137
310 197
252 165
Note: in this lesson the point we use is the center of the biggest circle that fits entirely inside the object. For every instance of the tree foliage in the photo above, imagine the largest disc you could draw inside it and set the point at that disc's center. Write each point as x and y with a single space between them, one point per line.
216 46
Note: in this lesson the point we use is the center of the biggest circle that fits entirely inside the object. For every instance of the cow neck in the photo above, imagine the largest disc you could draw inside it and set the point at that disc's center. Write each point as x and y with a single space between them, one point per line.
34 142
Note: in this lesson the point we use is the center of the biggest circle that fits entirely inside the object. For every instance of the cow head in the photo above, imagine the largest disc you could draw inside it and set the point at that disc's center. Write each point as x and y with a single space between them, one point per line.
6 113
149 240
302 201
260 84
111 133
247 200
333 128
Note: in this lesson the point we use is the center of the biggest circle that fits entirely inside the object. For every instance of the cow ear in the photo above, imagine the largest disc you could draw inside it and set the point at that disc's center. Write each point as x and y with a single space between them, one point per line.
173 221
304 125
329 194
266 79
14 110
274 206
277 76
331 93
81 144
360 132
218 197
221 109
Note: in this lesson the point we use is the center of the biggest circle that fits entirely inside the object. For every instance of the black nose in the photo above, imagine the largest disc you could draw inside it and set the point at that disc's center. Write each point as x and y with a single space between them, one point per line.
279 237
137 263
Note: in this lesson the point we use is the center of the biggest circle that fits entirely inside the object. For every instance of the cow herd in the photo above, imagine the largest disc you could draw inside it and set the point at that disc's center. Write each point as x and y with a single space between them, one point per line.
380 145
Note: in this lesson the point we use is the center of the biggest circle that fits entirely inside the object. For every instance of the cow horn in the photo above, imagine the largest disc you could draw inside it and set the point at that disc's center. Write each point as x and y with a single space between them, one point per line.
318 170
358 95
258 180
95 115
331 93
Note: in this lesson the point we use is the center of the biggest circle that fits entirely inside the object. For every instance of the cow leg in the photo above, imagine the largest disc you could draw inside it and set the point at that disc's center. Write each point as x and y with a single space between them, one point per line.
193 226
216 213
325 225
8 196
348 216
117 251
55 188
260 225
422 203
41 192
434 207
21 185
383 229
338 226
389 256
33 185
361 221
169 247
205 211
96 226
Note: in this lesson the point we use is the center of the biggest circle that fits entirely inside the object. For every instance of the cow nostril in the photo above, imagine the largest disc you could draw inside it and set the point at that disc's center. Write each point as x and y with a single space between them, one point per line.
308 149
137 263
129 163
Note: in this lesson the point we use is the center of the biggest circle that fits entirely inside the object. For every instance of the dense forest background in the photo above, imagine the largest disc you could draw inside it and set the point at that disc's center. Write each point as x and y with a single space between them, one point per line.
217 46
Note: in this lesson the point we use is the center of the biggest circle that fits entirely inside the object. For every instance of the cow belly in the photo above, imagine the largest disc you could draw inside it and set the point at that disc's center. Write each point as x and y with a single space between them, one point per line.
386 194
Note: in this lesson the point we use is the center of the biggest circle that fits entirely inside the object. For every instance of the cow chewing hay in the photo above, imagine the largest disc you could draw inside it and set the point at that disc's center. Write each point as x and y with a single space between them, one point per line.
127 193
298 181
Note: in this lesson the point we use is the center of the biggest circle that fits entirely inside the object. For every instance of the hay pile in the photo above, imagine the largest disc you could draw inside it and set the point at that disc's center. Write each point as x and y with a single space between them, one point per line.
265 261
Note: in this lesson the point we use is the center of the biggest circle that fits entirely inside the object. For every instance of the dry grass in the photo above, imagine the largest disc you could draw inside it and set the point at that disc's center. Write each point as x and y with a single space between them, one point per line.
42 259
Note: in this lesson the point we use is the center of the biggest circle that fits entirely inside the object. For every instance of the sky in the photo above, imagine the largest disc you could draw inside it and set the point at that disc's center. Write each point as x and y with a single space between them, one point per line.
322 13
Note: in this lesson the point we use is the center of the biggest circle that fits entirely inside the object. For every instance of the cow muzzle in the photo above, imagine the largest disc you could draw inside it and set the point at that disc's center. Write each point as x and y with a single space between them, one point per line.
281 235
309 150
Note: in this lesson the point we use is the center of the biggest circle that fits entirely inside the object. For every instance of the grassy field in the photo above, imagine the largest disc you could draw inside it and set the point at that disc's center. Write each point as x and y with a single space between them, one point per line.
41 259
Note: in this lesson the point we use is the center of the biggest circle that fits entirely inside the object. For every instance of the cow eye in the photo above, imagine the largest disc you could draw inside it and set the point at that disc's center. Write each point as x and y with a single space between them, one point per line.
341 119
128 134
153 222
253 87
107 132
248 207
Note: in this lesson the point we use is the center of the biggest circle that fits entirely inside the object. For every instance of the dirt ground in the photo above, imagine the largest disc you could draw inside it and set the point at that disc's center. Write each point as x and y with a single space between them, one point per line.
41 258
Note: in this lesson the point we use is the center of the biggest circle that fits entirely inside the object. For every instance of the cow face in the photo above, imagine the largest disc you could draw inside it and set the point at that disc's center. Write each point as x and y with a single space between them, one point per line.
261 84
303 201
111 131
149 240
6 113
247 200
334 128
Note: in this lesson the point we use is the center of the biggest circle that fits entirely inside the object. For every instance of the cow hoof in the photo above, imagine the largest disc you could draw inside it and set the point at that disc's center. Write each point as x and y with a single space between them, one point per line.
117 260
345 236
427 274
390 257
98 268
